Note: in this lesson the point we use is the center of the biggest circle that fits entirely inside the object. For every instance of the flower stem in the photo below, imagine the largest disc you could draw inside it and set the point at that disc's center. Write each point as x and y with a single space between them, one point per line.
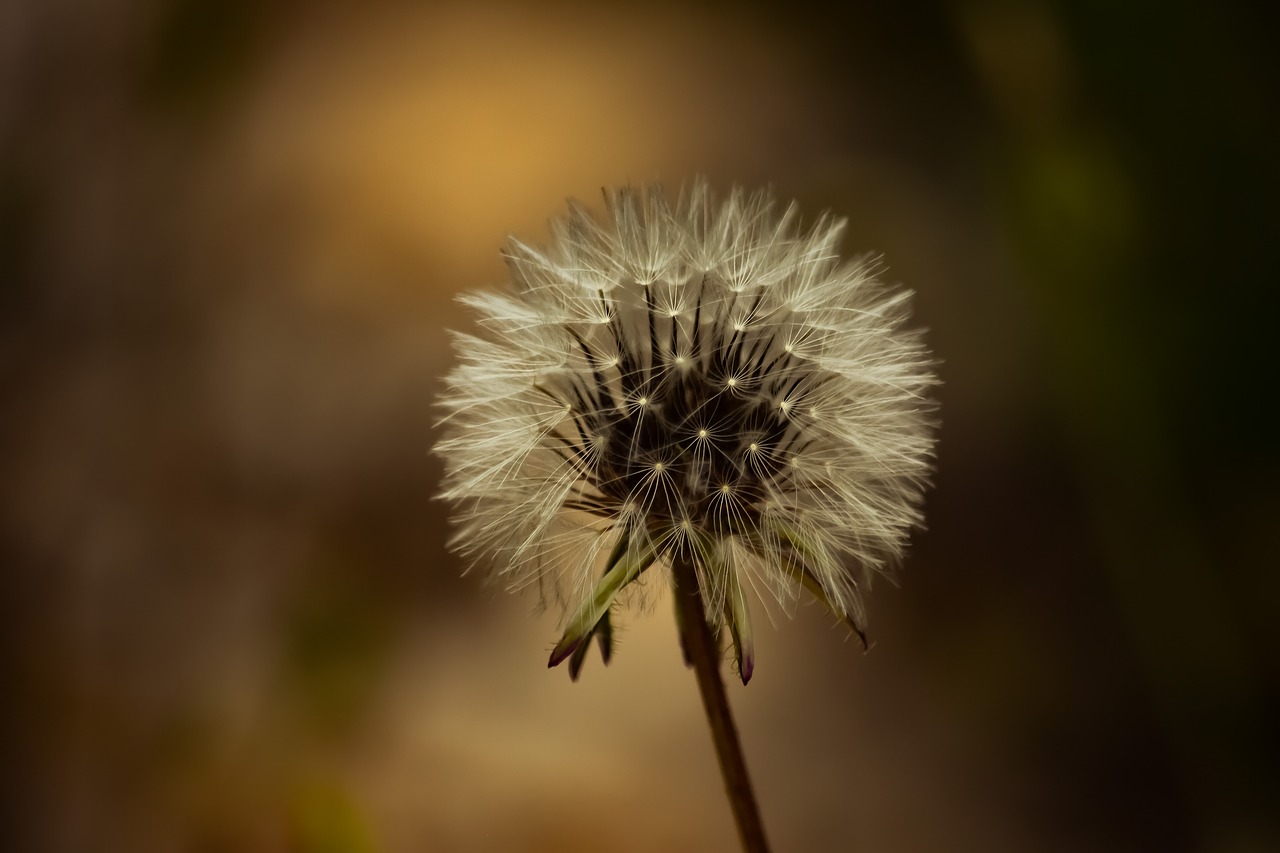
703 654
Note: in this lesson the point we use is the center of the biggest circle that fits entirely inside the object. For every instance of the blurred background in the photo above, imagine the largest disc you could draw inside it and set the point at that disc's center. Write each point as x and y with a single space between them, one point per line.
230 234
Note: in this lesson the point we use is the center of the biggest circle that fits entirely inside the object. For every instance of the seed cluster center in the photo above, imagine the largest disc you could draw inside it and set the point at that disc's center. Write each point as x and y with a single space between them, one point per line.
694 433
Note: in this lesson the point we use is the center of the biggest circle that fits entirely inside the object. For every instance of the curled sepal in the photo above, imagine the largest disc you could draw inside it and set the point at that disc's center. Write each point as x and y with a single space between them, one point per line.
805 555
628 559
738 617
604 637
603 632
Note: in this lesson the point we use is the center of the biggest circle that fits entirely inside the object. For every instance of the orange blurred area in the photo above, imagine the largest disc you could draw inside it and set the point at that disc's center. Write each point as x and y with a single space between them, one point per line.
230 238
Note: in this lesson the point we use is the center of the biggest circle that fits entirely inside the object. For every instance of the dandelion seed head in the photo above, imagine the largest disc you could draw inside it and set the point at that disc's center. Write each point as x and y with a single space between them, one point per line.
695 380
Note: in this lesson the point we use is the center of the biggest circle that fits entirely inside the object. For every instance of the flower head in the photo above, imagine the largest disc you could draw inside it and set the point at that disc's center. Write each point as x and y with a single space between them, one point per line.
701 381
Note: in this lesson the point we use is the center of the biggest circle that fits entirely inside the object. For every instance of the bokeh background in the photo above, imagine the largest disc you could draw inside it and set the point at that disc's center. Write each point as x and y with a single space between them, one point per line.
230 234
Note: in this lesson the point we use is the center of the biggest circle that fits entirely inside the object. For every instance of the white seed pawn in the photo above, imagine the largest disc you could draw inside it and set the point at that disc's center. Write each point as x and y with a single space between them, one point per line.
700 381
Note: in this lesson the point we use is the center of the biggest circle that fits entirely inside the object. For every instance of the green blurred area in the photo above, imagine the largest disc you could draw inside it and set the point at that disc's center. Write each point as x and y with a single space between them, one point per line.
225 577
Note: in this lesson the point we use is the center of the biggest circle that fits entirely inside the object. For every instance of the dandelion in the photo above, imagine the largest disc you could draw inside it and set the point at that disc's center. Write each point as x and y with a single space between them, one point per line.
700 390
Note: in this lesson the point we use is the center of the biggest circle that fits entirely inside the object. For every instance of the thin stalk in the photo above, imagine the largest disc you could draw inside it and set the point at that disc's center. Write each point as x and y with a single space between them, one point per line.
703 654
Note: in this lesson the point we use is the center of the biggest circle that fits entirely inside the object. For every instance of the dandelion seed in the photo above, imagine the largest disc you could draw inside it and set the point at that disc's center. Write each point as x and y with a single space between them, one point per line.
690 383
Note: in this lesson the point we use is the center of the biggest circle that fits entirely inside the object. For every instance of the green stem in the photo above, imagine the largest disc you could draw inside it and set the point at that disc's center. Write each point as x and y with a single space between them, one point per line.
703 653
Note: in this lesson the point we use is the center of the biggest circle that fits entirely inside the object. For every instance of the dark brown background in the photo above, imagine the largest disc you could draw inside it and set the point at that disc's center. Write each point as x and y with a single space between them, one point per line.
229 238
